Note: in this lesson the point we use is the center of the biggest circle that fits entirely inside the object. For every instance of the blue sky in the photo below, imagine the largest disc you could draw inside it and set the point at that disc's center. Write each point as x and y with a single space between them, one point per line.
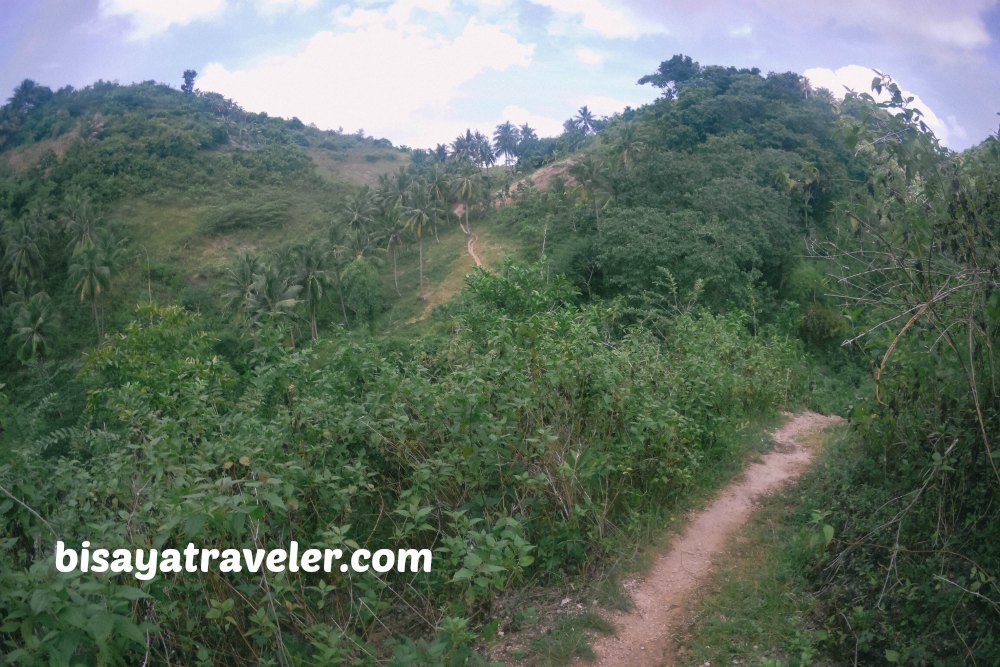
419 72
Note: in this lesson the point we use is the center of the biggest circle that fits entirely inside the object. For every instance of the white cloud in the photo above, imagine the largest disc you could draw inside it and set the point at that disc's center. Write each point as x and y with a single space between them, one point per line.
590 56
604 105
274 7
599 16
942 26
393 81
151 17
741 31
859 79
544 126
399 14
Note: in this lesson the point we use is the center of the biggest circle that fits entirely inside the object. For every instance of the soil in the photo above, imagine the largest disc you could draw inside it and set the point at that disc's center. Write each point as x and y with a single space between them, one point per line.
471 247
645 635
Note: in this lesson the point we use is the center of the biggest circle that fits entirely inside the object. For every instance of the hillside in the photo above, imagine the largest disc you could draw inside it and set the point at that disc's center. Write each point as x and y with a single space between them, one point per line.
233 330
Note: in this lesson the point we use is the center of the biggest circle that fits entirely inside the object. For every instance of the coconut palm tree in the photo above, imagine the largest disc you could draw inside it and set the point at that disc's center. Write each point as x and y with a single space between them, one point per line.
32 324
312 274
359 211
585 120
483 150
238 280
592 179
273 295
23 254
393 234
631 144
464 147
418 216
468 185
90 270
505 141
80 220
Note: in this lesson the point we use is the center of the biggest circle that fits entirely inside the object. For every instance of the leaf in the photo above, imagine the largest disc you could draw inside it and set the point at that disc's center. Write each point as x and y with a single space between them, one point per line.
130 593
892 656
100 626
274 501
828 533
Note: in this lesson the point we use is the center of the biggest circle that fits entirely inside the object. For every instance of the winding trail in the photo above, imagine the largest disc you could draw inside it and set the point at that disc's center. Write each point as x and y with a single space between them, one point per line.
661 599
471 247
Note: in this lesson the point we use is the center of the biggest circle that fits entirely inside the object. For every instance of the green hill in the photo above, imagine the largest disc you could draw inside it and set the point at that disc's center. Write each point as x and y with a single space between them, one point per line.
234 330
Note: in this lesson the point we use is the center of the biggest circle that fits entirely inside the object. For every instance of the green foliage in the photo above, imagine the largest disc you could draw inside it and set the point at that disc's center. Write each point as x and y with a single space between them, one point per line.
256 213
516 450
362 290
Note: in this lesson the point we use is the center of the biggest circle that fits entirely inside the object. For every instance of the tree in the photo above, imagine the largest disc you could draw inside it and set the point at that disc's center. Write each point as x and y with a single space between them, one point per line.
630 144
189 75
585 120
32 324
313 276
464 147
392 233
273 295
23 256
672 75
483 150
468 187
505 141
528 133
238 281
592 179
418 216
359 211
90 270
361 290
80 220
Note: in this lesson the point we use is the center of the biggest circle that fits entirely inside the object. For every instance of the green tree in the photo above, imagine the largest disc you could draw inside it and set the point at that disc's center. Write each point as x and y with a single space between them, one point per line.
312 274
90 271
592 182
359 210
418 216
505 140
23 254
32 327
189 76
468 187
362 291
585 120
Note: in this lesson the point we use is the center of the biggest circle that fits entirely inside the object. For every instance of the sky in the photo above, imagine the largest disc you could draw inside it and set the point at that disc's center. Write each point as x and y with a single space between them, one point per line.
418 72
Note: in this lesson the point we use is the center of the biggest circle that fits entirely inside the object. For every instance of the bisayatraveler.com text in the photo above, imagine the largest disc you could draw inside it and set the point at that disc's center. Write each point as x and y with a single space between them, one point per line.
145 564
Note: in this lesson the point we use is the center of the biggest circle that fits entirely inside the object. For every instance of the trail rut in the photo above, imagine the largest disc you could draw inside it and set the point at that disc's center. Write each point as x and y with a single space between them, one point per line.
661 598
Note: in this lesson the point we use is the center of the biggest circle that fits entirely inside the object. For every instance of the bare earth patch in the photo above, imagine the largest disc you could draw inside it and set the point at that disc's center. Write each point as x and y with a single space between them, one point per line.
661 599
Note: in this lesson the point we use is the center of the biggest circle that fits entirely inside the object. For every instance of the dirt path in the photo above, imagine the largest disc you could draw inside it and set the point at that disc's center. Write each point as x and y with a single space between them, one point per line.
471 247
662 597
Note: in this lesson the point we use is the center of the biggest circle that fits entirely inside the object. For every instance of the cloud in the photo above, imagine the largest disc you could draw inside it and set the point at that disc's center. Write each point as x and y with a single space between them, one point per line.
152 17
399 14
859 79
944 27
389 79
604 105
544 126
741 31
590 56
598 16
275 7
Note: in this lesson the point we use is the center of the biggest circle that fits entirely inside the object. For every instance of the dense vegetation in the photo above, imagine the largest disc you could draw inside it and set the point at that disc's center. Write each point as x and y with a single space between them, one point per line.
669 284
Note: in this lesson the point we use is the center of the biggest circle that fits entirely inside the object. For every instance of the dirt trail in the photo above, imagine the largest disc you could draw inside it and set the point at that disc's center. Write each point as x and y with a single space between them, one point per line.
644 635
471 247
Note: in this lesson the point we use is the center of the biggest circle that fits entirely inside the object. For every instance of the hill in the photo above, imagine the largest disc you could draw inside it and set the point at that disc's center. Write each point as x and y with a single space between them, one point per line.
305 366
